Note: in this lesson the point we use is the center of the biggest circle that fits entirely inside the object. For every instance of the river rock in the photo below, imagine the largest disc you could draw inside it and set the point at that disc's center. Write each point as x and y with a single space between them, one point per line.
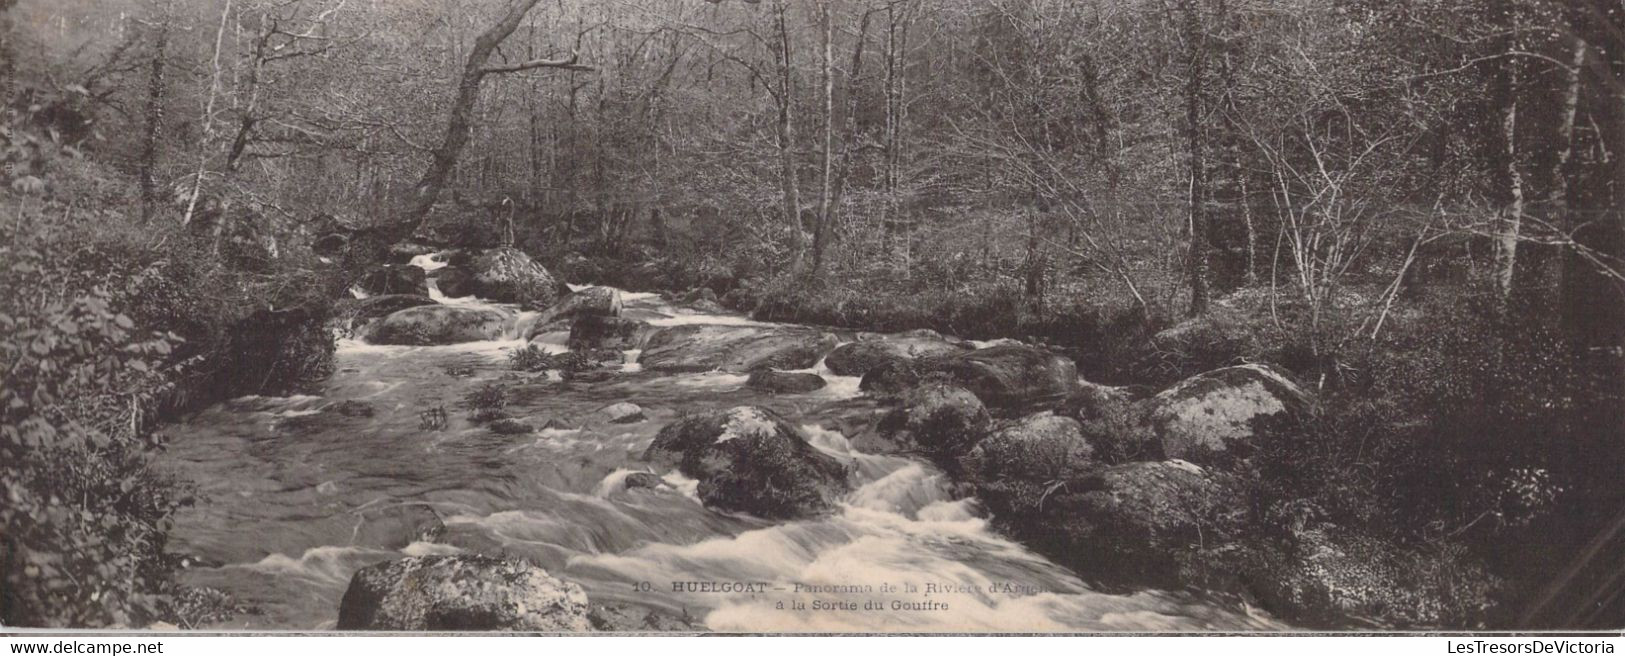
937 418
1014 468
351 408
785 382
592 301
1009 375
1210 417
752 460
857 358
622 413
354 315
891 378
394 279
1141 523
461 593
454 281
395 527
1333 577
508 275
738 349
510 426
440 324
600 332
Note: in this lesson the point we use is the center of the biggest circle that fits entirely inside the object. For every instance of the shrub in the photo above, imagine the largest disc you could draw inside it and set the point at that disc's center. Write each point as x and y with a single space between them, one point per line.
489 396
85 515
530 358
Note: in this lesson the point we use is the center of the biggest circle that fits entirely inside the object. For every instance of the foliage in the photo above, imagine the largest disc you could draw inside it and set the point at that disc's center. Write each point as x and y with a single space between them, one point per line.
488 396
110 326
530 358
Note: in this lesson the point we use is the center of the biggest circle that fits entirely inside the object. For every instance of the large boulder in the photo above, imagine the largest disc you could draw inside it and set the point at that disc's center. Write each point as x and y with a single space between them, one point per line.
454 281
937 419
461 593
1141 523
785 382
1333 577
592 301
601 332
890 378
857 358
752 460
393 279
508 275
354 315
1009 375
1017 466
440 324
1210 417
739 349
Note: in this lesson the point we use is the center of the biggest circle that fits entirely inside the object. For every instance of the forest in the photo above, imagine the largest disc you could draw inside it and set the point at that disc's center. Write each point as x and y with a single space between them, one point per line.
1377 245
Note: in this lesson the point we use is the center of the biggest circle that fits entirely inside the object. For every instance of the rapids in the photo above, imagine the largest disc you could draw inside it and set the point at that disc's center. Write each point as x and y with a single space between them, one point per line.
286 488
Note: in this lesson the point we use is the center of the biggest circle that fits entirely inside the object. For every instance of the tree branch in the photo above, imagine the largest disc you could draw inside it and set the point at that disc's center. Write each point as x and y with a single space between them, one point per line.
567 63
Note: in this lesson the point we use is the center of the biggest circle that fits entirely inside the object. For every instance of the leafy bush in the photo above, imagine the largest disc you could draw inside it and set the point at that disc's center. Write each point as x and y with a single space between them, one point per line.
107 326
530 358
85 515
489 396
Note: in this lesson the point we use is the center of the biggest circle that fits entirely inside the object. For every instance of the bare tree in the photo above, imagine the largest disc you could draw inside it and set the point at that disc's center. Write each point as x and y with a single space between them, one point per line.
458 124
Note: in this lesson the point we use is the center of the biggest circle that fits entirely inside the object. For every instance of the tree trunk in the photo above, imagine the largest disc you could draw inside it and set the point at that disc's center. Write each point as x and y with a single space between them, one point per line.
827 79
1506 259
208 118
458 125
786 138
1196 42
155 121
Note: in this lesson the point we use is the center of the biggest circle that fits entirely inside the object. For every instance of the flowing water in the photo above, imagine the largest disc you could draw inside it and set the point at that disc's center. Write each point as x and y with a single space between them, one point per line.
294 497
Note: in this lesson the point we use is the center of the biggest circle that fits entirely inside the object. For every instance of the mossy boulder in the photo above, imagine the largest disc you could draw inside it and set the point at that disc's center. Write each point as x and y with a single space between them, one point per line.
891 378
393 279
1009 376
857 358
1211 418
1134 525
1023 461
355 315
750 459
1332 577
739 349
785 382
461 593
440 324
603 332
592 301
508 275
938 419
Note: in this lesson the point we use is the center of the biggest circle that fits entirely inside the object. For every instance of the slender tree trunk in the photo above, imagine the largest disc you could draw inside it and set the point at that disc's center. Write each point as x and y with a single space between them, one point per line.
1198 263
827 79
1512 215
155 121
458 125
208 118
786 137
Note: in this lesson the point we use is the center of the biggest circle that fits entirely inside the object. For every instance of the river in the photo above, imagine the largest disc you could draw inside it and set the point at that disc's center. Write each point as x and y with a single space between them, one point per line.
287 496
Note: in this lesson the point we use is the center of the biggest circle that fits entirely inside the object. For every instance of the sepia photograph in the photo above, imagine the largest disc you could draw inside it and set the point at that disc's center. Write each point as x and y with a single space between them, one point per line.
812 317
